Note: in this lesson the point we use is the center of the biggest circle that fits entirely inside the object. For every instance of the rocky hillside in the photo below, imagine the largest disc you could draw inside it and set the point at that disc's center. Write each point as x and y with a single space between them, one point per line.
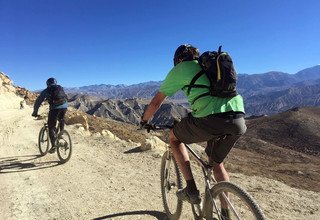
296 129
12 94
126 110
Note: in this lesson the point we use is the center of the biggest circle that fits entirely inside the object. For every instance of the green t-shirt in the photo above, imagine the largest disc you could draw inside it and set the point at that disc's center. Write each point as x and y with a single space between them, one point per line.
181 75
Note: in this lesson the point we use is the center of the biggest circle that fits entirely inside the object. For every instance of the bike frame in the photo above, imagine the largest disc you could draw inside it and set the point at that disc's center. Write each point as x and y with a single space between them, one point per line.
206 170
57 126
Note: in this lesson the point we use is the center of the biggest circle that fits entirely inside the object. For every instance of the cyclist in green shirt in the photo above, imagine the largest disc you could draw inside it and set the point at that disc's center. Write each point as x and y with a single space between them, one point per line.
210 117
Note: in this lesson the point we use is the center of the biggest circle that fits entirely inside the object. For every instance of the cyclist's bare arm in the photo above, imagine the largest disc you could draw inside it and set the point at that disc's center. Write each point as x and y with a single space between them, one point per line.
153 106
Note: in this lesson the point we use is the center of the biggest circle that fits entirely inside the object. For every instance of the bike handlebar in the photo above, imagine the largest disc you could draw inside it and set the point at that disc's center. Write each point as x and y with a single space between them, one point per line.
155 127
163 127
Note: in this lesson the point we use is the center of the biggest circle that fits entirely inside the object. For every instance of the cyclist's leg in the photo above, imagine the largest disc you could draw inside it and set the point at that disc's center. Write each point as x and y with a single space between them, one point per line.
217 150
187 131
219 172
181 155
61 114
52 122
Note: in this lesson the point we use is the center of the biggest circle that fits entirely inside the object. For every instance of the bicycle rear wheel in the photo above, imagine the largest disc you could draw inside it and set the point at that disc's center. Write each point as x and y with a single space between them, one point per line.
171 181
43 141
64 146
239 203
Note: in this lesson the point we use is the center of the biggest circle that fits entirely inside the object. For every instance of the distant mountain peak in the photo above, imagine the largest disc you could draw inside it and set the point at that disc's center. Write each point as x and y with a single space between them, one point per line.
309 73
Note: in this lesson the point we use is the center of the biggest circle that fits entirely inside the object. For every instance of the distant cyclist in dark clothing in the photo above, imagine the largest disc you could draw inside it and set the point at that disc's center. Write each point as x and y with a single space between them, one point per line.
58 101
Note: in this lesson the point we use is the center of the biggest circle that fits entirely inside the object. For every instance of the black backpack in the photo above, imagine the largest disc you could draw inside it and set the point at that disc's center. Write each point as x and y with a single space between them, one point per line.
219 69
57 95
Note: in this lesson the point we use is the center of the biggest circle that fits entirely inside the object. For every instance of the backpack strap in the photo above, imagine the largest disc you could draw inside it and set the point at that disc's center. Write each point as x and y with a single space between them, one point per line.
218 65
200 96
218 68
192 83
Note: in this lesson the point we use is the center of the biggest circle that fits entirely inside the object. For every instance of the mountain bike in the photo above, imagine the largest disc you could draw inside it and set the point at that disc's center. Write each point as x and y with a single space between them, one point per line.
62 142
217 195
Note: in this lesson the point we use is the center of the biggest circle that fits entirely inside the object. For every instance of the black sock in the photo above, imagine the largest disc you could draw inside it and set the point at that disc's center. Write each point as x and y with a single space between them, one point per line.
225 213
191 186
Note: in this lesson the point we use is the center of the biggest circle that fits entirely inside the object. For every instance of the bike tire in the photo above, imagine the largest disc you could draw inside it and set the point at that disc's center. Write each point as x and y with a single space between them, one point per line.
43 141
171 181
237 197
197 211
64 146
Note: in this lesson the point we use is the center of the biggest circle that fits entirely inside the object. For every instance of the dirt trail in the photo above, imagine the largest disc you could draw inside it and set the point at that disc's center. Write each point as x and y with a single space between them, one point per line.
96 182
106 179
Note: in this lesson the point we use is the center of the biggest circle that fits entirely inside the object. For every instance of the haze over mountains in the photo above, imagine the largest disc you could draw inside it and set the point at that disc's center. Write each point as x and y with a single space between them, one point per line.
264 94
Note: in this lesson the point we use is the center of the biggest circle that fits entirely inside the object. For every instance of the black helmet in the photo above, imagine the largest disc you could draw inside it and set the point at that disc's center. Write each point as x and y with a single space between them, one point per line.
185 52
51 81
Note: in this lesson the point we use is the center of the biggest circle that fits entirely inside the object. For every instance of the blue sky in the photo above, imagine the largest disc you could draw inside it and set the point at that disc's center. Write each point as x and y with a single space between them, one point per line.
85 42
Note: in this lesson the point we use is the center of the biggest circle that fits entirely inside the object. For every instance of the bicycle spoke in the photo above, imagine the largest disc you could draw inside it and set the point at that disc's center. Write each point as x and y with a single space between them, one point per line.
239 209
239 204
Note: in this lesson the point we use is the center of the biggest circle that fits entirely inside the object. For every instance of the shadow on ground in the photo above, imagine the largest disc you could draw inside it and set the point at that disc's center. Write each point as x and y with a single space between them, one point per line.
16 164
132 214
134 150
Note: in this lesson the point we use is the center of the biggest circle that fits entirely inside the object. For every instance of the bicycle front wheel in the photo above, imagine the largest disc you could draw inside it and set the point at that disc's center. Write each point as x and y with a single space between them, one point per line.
64 146
171 181
239 203
43 141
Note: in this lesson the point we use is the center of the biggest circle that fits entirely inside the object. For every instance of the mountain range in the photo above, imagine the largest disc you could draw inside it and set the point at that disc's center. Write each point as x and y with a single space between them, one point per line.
264 94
